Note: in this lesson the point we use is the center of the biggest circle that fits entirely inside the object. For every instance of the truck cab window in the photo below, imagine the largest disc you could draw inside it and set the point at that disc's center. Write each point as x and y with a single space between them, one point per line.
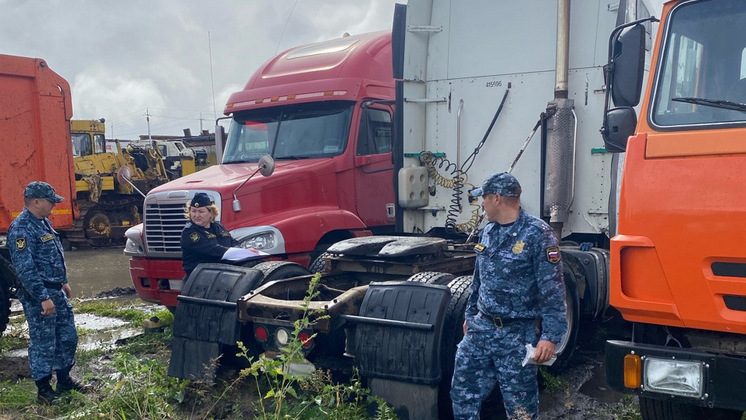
99 142
375 132
81 144
701 66
302 131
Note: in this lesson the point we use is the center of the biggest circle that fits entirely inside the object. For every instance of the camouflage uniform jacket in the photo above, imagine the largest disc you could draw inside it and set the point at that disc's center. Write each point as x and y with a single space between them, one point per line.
36 252
518 275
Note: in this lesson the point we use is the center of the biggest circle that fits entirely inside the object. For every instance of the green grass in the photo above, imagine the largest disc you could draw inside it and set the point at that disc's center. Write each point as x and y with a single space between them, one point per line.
120 311
11 342
130 381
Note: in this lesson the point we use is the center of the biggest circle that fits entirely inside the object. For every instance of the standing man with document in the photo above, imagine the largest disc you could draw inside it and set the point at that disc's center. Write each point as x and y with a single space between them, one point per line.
205 240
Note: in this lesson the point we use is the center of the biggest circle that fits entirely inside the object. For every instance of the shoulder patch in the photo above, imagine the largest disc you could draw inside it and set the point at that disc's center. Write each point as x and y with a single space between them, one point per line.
21 244
194 236
553 254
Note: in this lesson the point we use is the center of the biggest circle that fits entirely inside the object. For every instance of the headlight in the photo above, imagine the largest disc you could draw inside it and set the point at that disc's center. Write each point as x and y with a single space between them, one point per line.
261 242
675 377
265 238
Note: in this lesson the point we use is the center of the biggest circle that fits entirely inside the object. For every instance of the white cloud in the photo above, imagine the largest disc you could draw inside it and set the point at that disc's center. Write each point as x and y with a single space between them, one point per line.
122 58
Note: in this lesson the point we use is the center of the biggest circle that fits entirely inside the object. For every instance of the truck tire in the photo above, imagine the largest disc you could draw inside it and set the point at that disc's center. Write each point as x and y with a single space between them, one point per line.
653 409
432 277
277 270
492 407
319 263
453 332
566 346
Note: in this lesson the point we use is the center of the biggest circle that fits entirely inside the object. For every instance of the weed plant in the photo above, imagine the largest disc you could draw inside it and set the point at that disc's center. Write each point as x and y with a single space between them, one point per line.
130 381
285 395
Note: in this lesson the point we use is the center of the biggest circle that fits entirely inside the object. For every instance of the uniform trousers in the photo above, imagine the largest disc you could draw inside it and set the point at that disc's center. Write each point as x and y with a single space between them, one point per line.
490 356
53 338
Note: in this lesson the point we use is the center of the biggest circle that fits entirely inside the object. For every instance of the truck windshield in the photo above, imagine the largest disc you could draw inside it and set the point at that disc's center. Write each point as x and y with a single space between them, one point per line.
702 81
302 131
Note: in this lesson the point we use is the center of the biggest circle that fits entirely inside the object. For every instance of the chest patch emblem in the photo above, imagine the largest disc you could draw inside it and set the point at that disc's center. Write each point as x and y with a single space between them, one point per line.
194 236
518 247
21 244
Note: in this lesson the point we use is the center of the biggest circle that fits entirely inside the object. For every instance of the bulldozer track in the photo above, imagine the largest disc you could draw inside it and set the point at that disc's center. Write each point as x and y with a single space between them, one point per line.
103 224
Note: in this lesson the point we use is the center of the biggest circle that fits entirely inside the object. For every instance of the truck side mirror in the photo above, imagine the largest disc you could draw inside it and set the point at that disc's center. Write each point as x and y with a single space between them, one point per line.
628 63
265 166
619 124
219 143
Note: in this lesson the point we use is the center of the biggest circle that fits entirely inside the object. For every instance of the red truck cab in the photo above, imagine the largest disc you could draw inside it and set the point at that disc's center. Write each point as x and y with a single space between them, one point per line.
324 113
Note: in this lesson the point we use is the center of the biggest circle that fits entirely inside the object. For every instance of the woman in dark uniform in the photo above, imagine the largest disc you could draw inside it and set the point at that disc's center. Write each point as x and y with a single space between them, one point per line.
203 240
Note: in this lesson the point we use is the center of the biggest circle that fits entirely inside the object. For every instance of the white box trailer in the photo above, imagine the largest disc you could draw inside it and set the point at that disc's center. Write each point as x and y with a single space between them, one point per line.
460 59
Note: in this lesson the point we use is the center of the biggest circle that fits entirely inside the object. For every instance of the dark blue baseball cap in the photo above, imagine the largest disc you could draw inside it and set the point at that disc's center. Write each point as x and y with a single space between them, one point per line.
503 184
40 189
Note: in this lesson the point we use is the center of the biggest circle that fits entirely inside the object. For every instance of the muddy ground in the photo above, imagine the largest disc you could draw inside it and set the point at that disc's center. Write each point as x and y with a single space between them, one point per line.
578 393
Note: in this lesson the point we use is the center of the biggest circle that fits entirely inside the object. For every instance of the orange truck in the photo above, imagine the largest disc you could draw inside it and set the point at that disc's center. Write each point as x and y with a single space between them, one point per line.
35 112
678 262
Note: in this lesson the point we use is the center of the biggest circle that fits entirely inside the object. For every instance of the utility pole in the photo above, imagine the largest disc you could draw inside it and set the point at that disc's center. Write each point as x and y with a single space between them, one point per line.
147 118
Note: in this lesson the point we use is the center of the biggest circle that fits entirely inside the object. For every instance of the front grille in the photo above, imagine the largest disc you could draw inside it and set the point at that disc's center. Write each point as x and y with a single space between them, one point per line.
164 221
163 226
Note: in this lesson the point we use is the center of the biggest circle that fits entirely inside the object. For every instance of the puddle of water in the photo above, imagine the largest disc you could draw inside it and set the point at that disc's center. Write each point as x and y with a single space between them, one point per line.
17 352
92 271
101 332
107 338
93 322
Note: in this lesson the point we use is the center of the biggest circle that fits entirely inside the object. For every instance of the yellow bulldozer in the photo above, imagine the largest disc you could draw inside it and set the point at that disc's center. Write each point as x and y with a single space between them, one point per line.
106 207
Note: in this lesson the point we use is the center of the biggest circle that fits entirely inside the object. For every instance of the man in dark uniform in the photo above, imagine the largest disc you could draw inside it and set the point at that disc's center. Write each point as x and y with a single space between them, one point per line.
203 239
36 252
517 287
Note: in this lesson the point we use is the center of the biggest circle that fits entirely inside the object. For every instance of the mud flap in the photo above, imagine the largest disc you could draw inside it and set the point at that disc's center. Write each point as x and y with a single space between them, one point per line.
206 318
397 344
591 268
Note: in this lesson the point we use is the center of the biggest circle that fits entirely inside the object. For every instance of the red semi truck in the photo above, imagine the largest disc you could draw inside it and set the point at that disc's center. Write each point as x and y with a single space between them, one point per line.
324 113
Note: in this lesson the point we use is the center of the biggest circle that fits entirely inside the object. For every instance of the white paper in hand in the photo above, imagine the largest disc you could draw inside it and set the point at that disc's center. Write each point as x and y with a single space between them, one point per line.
238 254
529 358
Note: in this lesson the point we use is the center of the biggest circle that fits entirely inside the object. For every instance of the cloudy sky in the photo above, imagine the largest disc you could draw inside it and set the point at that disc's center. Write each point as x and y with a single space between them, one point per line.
177 60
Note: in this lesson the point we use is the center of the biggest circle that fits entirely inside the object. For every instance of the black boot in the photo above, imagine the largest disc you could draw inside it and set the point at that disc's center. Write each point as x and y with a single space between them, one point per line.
66 383
46 393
